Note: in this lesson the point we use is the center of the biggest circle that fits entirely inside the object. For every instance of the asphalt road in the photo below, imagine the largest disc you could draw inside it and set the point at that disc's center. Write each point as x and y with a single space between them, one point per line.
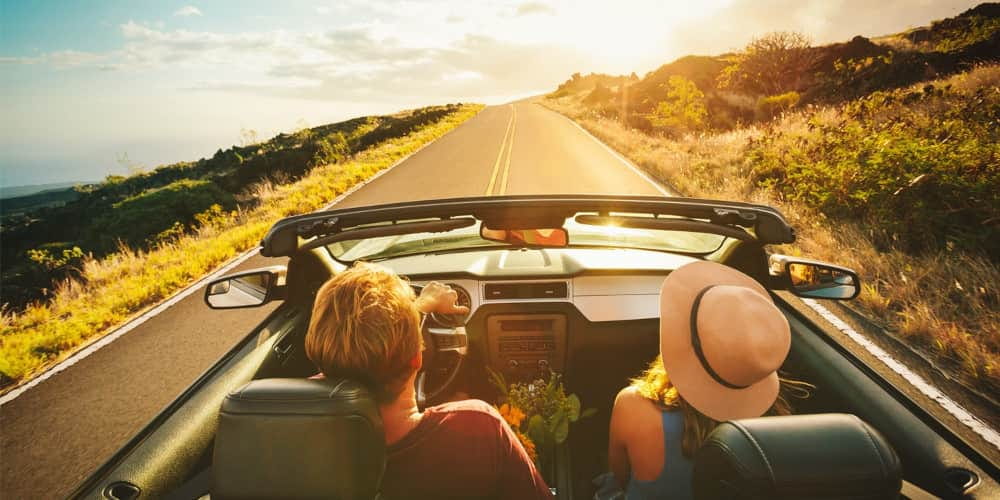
55 434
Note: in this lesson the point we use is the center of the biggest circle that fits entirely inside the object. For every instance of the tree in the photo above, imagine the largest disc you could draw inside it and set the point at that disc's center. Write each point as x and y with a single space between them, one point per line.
682 110
769 65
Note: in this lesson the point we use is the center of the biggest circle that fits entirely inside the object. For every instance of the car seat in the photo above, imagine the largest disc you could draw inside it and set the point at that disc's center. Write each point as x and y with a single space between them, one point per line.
299 438
831 455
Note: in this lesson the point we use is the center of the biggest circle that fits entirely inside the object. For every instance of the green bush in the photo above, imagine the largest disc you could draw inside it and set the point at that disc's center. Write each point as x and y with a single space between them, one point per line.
921 166
152 212
682 110
771 106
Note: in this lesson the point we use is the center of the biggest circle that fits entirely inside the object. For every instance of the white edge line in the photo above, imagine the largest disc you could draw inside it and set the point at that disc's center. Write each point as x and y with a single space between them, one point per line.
956 410
180 295
638 171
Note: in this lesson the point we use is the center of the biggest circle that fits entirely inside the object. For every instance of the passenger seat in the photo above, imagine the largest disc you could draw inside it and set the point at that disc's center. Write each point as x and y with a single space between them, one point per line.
830 455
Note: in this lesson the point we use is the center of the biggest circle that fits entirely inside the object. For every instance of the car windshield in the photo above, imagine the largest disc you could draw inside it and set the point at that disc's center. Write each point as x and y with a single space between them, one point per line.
580 235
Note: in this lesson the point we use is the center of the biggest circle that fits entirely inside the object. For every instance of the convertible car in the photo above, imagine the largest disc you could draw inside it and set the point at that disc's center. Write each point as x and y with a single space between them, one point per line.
566 284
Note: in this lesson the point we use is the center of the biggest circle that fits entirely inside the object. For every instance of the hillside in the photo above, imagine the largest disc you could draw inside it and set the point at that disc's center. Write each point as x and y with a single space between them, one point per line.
46 235
883 152
102 292
805 74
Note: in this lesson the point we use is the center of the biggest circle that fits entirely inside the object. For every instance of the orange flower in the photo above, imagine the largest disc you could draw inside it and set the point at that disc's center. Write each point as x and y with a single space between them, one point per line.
529 445
512 415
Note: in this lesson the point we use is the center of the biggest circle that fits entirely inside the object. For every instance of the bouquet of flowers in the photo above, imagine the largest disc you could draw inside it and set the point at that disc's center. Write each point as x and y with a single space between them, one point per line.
540 413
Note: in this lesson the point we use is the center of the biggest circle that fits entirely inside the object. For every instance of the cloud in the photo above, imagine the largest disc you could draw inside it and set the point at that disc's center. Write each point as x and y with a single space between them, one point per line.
354 62
60 59
188 10
530 8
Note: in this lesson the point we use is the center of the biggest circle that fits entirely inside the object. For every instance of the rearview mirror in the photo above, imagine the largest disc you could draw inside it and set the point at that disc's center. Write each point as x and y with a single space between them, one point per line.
814 279
248 289
550 237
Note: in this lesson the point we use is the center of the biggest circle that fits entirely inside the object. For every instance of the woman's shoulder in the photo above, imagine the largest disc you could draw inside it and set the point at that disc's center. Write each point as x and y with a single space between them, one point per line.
631 397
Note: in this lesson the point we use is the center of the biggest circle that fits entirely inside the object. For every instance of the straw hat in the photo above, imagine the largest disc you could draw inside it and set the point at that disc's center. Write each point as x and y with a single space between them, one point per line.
722 340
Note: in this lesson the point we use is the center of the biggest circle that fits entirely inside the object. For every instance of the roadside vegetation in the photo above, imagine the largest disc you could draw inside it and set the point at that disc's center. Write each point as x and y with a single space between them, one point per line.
895 174
167 228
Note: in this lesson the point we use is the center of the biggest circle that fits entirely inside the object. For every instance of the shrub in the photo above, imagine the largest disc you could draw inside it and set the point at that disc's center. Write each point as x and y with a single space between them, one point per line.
135 219
918 165
683 109
771 106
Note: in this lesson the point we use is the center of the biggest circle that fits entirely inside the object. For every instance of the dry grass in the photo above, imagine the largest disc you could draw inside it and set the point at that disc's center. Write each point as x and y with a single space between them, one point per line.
116 287
946 303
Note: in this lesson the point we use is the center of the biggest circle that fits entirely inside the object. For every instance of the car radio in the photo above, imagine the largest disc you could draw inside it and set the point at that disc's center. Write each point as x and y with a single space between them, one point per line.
522 346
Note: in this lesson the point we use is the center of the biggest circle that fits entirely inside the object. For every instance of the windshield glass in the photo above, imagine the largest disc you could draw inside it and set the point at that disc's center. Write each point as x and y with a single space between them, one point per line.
580 235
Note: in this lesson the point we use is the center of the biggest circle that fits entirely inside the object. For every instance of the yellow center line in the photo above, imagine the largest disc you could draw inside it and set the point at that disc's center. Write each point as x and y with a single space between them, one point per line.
496 165
510 146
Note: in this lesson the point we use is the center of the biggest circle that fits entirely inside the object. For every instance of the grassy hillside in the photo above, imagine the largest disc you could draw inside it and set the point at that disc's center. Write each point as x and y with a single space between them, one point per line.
291 174
896 174
45 243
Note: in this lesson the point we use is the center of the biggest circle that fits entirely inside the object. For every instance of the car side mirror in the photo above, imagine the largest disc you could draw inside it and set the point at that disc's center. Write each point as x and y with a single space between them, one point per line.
813 279
247 289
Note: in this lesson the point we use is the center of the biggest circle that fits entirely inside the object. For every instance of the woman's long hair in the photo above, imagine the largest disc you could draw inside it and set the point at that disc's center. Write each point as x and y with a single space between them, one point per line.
654 384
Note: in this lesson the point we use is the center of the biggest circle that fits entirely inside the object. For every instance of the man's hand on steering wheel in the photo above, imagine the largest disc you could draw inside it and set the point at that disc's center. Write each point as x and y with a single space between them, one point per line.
439 298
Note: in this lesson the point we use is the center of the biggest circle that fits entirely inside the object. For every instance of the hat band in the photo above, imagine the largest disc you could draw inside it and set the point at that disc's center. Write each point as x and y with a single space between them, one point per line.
696 342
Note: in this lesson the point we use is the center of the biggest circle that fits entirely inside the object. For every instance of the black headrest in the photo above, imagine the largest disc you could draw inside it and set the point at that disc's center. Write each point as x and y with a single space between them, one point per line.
299 438
804 456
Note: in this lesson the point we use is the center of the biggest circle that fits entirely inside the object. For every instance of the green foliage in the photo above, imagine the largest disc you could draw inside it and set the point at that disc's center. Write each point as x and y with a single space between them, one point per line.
135 219
978 29
920 166
547 407
771 106
683 109
331 149
53 257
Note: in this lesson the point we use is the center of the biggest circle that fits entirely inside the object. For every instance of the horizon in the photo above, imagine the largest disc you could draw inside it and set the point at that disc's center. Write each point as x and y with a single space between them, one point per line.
95 91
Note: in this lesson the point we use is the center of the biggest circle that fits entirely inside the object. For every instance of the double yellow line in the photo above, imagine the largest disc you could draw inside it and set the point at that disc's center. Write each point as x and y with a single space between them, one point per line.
508 144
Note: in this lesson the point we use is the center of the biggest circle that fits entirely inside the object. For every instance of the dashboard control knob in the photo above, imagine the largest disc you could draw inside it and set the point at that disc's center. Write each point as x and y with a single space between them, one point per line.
513 363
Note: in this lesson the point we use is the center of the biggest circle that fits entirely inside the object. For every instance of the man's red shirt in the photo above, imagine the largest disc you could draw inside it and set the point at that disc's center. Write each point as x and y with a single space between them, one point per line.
462 449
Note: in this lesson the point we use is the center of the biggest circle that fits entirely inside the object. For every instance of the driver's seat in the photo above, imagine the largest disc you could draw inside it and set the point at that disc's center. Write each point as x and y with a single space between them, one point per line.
299 438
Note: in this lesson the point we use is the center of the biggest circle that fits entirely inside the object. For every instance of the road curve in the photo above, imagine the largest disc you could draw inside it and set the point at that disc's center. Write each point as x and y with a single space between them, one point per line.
56 433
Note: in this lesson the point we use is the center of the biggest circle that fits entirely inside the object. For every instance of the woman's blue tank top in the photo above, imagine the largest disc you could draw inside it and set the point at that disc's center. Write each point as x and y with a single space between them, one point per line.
674 481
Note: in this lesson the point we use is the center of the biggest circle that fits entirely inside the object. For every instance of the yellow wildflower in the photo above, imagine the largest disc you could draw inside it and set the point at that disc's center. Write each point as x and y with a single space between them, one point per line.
511 414
529 445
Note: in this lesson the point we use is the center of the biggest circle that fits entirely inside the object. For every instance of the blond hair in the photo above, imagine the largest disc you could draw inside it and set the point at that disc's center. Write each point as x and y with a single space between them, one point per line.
366 326
654 384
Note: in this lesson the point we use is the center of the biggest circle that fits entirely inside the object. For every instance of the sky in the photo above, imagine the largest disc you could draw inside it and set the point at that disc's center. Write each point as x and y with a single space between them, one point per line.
90 88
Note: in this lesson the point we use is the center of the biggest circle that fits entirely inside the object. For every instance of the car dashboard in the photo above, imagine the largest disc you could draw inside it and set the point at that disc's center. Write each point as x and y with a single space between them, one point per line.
530 310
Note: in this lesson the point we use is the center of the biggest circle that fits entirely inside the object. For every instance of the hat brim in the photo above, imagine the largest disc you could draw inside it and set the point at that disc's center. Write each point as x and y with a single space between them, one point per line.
685 371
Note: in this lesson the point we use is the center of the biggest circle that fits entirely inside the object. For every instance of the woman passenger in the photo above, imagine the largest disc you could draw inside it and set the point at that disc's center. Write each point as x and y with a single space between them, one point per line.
722 341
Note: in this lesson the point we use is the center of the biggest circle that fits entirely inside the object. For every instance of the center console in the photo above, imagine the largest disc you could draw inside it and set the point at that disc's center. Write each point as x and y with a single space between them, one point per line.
521 346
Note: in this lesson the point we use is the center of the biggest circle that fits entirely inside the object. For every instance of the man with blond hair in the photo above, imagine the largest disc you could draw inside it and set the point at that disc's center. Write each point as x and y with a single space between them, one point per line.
366 326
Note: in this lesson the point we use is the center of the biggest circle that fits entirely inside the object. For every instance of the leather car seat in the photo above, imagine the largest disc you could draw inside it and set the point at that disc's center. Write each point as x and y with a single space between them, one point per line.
299 438
803 456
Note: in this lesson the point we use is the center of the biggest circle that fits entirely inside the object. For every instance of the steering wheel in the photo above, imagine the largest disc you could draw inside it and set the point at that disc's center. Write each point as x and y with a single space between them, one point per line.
441 345
445 348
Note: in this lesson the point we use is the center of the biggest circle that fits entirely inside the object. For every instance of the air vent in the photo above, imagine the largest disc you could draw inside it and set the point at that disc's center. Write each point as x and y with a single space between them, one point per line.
513 291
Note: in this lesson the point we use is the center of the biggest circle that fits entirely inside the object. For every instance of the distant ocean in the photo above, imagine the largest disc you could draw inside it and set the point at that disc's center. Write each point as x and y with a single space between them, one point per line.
15 191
